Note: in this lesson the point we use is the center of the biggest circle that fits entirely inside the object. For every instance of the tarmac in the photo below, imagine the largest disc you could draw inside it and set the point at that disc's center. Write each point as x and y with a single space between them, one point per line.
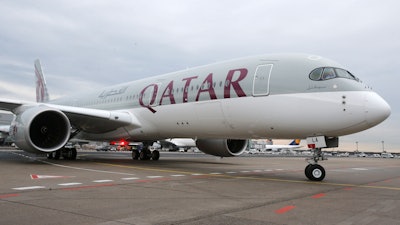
193 188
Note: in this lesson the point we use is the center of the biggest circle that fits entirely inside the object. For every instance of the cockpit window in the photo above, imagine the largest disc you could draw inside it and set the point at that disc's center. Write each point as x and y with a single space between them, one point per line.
327 73
345 74
316 74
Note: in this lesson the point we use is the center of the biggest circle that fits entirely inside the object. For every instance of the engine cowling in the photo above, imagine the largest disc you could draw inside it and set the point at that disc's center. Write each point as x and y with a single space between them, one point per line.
222 147
41 129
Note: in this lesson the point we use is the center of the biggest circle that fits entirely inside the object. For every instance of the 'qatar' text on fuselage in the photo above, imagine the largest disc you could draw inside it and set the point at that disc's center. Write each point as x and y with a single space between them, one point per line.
206 86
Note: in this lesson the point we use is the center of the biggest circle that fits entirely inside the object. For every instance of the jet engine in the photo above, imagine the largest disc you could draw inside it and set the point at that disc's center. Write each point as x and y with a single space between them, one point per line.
222 147
41 129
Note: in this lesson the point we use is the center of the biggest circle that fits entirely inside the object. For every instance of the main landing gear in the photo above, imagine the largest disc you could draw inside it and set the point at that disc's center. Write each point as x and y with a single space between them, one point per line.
313 170
145 153
66 153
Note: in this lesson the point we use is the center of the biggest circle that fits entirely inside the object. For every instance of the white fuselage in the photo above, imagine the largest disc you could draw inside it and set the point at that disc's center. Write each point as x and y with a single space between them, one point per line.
267 96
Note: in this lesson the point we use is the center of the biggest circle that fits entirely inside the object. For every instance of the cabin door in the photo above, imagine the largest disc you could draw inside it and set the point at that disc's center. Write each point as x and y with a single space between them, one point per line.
261 80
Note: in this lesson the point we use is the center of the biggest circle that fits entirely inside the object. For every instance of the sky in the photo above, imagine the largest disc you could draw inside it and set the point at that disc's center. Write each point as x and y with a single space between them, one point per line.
88 44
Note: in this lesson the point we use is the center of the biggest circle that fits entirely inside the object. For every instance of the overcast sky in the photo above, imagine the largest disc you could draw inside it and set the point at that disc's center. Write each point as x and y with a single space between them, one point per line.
89 44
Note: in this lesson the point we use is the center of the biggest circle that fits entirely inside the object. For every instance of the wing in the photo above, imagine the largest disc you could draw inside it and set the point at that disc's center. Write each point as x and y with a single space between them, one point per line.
96 120
11 105
84 119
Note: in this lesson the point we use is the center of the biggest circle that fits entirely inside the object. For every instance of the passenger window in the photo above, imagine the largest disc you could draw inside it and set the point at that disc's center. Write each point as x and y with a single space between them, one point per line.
316 74
329 73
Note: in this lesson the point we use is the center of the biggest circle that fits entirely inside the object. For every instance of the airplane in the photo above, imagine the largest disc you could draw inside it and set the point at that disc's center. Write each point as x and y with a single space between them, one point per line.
268 146
5 118
292 145
4 128
220 105
4 131
175 144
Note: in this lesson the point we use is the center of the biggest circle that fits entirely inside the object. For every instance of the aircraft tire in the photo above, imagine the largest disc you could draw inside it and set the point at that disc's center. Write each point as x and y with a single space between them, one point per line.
307 171
54 155
316 172
143 155
57 154
155 155
69 154
73 154
135 154
50 155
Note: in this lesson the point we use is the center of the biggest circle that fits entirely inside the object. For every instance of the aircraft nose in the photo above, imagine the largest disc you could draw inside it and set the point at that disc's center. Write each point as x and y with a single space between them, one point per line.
377 109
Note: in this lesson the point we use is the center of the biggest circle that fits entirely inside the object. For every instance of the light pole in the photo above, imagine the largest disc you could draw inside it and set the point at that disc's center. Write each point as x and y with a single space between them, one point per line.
383 146
356 146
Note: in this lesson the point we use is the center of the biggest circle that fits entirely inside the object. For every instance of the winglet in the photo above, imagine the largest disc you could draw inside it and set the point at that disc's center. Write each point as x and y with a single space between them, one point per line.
42 94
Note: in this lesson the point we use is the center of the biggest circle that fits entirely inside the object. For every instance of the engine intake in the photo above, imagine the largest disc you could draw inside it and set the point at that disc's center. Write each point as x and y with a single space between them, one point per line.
222 147
41 129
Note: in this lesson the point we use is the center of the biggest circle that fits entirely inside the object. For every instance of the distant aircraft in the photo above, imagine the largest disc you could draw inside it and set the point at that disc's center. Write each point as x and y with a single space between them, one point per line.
174 144
5 128
292 145
220 105
4 131
5 119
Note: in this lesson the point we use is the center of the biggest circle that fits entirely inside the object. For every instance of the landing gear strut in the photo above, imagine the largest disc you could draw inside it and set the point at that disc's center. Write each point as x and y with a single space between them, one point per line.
145 153
313 170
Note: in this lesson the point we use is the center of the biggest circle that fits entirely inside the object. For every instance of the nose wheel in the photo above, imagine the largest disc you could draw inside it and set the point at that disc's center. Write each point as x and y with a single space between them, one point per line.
314 172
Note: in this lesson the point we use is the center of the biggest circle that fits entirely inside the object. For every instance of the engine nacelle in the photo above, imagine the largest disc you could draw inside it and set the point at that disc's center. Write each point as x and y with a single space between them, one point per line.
222 147
40 129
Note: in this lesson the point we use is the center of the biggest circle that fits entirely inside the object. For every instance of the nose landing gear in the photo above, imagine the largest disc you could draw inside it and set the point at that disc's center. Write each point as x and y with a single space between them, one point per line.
313 170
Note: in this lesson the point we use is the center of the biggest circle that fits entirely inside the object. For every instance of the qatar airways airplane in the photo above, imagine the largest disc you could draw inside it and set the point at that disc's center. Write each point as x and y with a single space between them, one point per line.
221 106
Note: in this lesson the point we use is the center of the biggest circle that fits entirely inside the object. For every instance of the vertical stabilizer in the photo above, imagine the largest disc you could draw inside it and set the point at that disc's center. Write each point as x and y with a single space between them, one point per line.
295 142
41 89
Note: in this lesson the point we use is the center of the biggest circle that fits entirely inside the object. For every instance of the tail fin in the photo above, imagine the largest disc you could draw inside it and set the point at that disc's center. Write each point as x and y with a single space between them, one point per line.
42 94
295 142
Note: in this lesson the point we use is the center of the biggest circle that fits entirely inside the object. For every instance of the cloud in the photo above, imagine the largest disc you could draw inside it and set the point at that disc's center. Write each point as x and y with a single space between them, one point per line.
17 91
